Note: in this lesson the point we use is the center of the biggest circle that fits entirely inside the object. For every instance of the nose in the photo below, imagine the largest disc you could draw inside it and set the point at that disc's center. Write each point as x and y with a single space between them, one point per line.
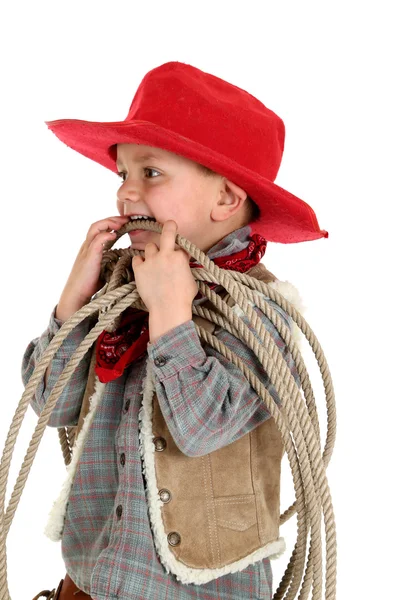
127 200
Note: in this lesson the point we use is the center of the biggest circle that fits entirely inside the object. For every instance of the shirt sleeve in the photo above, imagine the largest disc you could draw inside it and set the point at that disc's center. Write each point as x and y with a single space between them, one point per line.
67 409
206 400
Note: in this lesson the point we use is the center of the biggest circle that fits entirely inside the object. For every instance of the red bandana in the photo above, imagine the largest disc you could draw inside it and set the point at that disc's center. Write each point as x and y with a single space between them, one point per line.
116 350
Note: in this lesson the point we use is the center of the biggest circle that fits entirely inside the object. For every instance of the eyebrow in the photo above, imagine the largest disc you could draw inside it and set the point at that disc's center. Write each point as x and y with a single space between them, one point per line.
142 158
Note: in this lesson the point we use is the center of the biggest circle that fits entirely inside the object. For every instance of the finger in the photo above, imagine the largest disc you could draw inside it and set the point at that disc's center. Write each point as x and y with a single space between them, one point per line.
136 260
106 225
177 246
168 235
109 222
100 239
150 249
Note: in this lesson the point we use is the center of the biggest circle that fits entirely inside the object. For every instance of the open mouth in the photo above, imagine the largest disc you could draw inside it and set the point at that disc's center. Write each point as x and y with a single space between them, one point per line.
136 232
141 220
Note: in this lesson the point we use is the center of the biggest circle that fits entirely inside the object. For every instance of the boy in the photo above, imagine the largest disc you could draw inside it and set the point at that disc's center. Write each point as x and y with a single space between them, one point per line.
214 151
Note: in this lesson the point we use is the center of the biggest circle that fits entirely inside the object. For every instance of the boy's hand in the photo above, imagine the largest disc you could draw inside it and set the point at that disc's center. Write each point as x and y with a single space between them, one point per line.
163 278
84 279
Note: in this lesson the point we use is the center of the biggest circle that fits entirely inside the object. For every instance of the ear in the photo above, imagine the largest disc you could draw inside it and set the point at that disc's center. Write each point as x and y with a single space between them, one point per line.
230 201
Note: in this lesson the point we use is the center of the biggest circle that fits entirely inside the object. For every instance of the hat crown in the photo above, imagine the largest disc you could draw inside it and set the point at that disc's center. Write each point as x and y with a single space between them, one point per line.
211 113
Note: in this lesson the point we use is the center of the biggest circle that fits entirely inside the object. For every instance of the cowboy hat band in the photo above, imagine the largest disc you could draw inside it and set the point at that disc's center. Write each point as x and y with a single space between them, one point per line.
182 109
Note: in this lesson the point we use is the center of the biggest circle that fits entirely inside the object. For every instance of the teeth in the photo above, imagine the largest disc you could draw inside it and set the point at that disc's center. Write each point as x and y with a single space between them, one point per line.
136 217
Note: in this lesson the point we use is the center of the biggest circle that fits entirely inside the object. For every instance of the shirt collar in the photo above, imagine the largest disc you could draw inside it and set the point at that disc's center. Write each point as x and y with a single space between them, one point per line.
233 242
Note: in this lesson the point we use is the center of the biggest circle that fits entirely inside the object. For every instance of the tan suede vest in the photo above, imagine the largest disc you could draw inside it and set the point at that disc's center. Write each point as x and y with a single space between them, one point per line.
212 514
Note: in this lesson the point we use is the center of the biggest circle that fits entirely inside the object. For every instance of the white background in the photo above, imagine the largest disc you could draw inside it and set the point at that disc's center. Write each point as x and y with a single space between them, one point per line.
330 71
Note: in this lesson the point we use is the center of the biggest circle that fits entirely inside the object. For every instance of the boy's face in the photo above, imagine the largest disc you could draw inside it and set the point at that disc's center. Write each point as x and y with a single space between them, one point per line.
168 186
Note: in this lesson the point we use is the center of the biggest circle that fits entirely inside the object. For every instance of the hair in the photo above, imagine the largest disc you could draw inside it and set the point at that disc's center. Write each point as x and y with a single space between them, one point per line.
251 210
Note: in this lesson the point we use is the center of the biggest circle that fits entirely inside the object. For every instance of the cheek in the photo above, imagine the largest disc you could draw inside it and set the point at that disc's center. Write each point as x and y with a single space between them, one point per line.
172 207
186 205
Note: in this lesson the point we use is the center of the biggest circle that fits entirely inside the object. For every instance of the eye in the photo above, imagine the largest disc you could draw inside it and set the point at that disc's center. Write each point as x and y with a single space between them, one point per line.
150 169
122 173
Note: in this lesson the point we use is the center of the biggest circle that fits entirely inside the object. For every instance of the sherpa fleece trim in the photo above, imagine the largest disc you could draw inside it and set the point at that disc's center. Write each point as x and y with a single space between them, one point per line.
56 520
182 572
292 295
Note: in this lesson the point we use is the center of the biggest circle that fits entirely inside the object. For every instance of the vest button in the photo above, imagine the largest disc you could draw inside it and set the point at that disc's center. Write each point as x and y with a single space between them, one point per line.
119 511
160 444
126 407
122 459
174 538
159 361
165 495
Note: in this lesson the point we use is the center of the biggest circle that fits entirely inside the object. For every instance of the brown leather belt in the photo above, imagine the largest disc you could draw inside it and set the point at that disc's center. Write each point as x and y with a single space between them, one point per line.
66 590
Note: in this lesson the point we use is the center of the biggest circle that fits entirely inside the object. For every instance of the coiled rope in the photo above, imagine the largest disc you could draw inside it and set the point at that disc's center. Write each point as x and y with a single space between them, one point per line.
297 421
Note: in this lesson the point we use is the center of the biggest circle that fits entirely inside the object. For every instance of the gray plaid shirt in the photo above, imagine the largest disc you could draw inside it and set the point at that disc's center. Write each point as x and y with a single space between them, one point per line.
107 542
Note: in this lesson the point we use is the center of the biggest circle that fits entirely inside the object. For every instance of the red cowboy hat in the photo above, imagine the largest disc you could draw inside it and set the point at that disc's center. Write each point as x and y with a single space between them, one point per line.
184 110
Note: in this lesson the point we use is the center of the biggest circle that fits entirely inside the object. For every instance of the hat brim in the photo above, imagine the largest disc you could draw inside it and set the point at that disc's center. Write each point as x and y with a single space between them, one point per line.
284 218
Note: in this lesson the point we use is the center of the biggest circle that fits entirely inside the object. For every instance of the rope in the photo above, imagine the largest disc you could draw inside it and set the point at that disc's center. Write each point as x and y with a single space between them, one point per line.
297 421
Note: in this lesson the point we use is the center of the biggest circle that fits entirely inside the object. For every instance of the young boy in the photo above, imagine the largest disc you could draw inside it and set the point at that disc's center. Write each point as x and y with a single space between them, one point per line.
199 155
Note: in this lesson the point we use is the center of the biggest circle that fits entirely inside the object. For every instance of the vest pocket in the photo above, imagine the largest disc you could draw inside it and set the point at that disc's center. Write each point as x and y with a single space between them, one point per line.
237 527
236 512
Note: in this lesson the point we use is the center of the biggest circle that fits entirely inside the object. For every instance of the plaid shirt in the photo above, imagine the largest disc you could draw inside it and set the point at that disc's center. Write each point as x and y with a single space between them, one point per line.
107 542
